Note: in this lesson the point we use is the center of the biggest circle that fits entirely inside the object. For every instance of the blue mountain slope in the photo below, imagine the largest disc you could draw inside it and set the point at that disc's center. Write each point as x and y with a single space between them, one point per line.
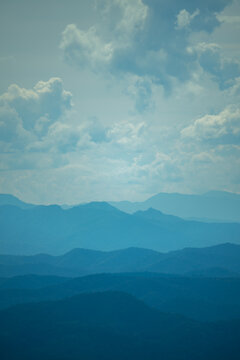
100 226
217 261
211 206
6 199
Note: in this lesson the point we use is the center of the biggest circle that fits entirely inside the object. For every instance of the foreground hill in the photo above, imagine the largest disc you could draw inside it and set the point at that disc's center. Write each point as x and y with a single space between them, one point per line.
100 226
212 206
110 325
216 261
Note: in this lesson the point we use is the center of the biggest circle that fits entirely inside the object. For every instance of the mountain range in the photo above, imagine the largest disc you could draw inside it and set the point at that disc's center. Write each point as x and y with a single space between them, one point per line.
110 325
217 261
100 226
95 282
212 206
198 298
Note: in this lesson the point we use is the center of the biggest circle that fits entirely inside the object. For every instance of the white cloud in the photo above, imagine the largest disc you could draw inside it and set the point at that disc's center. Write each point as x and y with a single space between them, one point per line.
26 115
142 39
179 77
133 18
46 102
126 133
85 48
184 18
229 19
140 89
223 127
12 134
125 18
223 70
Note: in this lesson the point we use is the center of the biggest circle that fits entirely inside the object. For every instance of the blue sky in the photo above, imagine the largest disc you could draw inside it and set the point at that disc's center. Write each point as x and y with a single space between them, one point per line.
117 99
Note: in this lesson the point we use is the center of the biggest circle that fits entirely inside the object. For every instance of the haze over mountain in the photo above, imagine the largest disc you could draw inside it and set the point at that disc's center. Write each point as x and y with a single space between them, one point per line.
211 206
110 100
100 226
218 261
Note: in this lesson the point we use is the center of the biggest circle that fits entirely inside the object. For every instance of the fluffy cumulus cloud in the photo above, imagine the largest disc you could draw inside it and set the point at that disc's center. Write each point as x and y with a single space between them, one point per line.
28 115
86 48
162 116
145 37
221 128
225 71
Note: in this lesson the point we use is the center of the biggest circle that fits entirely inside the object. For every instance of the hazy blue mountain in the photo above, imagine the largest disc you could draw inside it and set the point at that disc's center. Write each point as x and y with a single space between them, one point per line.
110 325
80 262
7 199
222 257
100 226
217 261
211 206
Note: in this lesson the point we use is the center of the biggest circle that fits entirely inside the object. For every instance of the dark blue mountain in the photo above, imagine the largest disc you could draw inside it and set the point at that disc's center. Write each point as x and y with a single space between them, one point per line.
203 299
111 325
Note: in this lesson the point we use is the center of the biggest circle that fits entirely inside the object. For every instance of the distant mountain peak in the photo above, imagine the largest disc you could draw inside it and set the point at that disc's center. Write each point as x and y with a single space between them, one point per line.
99 205
8 199
155 214
221 194
213 206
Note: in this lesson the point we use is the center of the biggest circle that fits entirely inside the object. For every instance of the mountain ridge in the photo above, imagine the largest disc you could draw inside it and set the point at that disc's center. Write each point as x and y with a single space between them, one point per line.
8 199
121 326
100 226
211 206
220 259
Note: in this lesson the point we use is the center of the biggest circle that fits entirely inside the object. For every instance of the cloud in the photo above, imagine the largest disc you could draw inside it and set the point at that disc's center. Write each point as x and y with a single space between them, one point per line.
123 18
148 46
230 19
12 133
46 100
26 115
127 134
85 48
136 52
222 128
184 18
140 89
235 89
223 70
141 38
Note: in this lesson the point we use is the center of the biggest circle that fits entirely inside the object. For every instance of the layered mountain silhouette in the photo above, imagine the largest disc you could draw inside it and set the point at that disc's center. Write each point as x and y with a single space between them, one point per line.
110 325
212 206
94 282
217 261
100 226
202 299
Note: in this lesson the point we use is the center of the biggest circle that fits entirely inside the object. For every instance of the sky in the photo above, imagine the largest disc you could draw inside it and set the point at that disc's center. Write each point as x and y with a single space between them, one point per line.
118 99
